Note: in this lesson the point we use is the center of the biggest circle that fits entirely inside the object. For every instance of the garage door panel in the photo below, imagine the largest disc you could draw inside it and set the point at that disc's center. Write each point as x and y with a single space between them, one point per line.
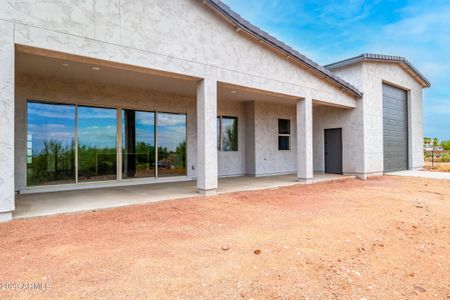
396 123
395 128
393 92
393 112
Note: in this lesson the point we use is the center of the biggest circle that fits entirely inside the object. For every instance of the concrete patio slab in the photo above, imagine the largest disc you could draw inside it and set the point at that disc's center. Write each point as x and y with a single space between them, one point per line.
53 203
423 174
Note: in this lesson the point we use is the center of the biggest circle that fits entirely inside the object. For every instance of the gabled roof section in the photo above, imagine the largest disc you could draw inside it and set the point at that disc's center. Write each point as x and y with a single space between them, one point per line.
383 58
242 24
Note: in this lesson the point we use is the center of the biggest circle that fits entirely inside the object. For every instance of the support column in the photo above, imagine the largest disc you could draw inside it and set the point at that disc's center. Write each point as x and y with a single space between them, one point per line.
6 121
207 136
304 141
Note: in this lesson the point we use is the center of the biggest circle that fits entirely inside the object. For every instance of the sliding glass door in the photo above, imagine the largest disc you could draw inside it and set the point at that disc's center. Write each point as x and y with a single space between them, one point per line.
97 152
171 144
50 143
138 144
75 143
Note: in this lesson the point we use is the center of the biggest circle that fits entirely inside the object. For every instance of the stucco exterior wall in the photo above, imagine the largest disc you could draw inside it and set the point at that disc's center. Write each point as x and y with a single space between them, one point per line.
369 78
326 117
352 123
6 120
179 36
233 163
268 159
374 76
250 142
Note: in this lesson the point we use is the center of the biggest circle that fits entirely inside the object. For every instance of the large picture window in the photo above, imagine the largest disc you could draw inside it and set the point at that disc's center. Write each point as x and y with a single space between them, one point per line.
97 152
227 131
50 143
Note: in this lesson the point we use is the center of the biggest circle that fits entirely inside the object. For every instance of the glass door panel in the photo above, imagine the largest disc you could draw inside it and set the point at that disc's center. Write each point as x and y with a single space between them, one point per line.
50 143
171 144
97 153
138 144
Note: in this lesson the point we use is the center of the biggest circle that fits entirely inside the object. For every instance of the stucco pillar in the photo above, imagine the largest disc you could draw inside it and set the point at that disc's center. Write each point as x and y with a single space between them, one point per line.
6 120
207 136
305 140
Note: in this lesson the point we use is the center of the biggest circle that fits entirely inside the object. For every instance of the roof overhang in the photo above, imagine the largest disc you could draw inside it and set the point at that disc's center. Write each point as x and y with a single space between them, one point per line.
370 57
243 25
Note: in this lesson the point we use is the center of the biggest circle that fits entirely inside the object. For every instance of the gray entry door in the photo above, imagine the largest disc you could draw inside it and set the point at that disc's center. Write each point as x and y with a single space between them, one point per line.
333 151
395 129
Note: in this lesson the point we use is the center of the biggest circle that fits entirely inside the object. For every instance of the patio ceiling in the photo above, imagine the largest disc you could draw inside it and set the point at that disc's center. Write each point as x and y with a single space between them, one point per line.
72 69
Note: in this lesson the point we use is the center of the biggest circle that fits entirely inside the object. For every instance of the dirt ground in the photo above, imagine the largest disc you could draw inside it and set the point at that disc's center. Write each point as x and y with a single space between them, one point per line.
386 238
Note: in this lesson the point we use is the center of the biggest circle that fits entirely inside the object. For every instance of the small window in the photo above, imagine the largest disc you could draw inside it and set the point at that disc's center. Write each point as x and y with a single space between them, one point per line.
227 133
284 134
284 126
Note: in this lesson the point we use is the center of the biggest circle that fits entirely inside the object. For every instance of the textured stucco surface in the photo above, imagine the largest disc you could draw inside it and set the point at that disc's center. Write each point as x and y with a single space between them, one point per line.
233 163
207 135
304 126
142 33
352 123
250 142
268 159
6 119
326 117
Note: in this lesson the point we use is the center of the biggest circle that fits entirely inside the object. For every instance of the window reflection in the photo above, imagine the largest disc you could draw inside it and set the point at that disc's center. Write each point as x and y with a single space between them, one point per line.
56 131
50 143
171 144
96 143
229 134
138 140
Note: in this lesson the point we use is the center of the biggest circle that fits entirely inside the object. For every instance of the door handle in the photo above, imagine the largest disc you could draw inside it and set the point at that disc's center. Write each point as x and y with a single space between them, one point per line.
326 153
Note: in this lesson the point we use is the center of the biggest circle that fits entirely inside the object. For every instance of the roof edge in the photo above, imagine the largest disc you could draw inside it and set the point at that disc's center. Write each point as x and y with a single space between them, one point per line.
242 24
382 58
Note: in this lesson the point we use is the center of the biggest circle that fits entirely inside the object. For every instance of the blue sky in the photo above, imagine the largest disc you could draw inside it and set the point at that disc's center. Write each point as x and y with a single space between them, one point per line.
97 126
329 30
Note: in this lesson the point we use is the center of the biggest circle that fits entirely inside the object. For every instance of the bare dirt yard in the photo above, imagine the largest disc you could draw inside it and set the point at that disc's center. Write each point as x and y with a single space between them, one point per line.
386 238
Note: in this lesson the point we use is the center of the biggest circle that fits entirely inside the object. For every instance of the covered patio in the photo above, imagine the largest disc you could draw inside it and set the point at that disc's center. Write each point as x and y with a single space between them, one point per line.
94 135
53 203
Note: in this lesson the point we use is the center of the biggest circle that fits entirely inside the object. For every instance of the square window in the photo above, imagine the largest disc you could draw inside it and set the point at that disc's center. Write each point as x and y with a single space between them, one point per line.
284 126
284 142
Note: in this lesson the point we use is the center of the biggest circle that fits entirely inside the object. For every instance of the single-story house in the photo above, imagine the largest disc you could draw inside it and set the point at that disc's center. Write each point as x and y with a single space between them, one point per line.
108 93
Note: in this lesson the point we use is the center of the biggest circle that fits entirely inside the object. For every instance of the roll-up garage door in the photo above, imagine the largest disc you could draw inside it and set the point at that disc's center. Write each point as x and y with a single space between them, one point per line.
395 128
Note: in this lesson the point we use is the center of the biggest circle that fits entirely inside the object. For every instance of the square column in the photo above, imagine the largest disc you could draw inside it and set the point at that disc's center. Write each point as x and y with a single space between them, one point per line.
304 140
6 121
207 136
